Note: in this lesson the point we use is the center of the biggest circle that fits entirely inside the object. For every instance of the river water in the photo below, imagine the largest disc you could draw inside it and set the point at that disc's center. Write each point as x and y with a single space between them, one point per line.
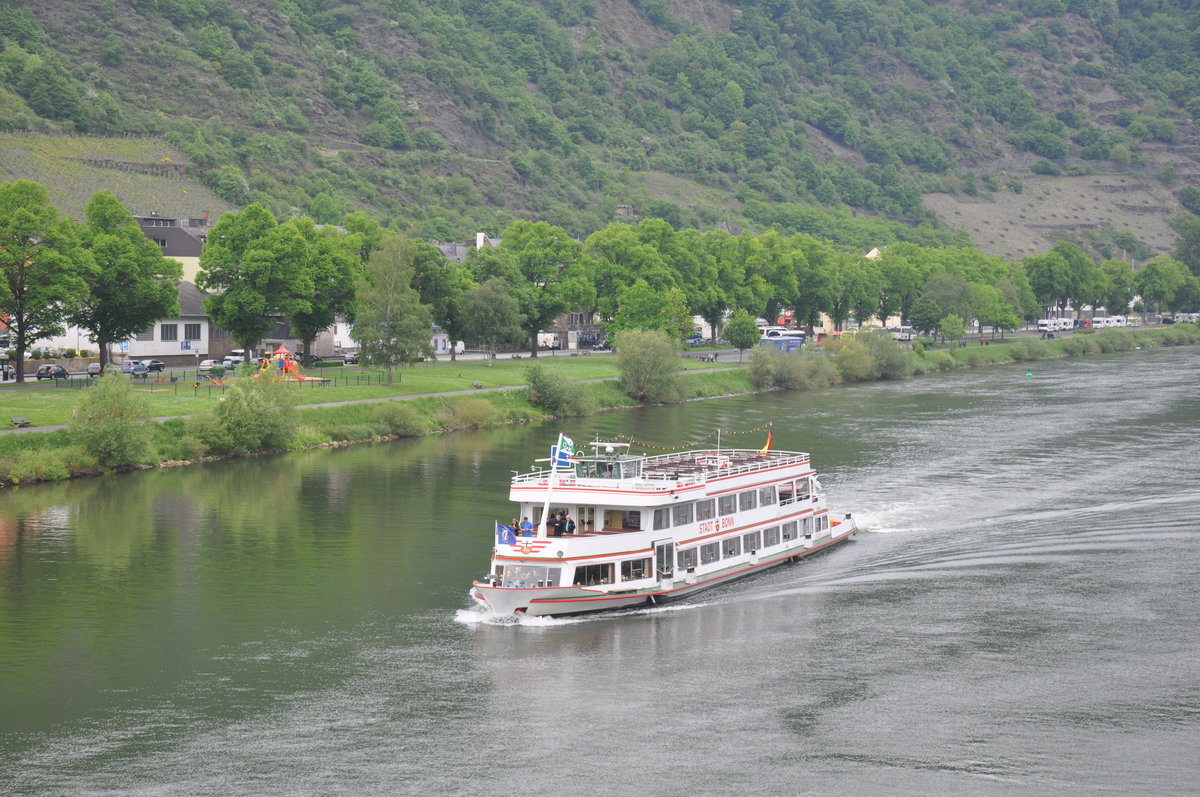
1022 614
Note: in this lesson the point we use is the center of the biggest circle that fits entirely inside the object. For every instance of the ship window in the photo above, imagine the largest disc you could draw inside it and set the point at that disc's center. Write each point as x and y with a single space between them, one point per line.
770 536
706 509
662 519
747 500
683 514
710 553
586 520
823 523
727 504
622 519
789 531
634 569
554 510
787 493
687 558
731 547
752 541
590 575
529 576
766 495
802 489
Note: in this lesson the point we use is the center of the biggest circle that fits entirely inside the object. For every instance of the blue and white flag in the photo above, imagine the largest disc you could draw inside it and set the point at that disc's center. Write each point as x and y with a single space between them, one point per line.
563 454
505 535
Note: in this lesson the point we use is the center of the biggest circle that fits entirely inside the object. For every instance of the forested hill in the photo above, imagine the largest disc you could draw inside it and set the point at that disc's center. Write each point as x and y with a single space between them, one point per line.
1015 122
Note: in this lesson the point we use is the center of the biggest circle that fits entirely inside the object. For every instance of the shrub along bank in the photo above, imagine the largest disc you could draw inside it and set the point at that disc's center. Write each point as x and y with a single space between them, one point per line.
260 418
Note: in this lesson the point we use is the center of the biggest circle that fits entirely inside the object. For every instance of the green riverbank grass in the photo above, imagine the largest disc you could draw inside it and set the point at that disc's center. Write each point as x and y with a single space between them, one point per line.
50 404
49 456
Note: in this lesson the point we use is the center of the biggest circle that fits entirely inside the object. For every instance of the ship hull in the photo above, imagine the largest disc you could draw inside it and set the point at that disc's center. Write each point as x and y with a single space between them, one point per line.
575 600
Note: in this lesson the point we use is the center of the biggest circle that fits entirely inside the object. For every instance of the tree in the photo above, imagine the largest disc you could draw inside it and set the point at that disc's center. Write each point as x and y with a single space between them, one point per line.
1119 286
619 258
548 277
990 307
926 316
332 266
901 286
1187 245
953 327
1158 280
391 326
42 266
742 332
1049 276
132 284
442 285
649 364
256 267
492 317
639 306
951 293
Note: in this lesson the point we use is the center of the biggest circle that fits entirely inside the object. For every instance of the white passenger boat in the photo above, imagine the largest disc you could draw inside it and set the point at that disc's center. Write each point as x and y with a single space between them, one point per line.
650 528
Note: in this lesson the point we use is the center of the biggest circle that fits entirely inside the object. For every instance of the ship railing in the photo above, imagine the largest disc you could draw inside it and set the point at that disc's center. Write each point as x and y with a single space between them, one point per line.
674 470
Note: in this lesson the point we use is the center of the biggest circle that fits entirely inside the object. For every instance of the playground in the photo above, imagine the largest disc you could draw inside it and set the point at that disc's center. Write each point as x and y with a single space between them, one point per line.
283 362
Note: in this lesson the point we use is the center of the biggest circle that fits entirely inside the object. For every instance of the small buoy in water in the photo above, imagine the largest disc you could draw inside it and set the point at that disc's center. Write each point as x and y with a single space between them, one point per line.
1029 372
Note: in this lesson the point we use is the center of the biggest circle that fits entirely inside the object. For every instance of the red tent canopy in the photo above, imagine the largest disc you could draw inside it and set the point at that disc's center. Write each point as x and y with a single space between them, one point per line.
281 350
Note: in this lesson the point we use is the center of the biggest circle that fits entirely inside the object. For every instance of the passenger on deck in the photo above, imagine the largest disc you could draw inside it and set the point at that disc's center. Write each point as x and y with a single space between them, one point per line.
558 525
570 525
526 527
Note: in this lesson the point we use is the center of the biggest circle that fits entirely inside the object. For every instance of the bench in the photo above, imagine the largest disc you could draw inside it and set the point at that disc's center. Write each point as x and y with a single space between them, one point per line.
19 422
477 385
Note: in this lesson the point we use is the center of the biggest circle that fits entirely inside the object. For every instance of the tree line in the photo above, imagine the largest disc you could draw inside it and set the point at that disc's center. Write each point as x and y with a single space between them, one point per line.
105 276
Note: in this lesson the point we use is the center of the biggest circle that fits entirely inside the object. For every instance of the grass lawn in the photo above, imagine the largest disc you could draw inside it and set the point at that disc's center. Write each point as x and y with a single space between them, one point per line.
46 404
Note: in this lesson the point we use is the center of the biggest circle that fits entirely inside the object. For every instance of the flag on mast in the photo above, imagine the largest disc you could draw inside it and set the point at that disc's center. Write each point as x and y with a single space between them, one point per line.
765 449
563 453
505 535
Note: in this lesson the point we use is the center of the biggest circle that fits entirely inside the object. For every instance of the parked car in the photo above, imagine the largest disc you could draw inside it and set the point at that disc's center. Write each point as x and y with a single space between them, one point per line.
94 369
696 340
51 371
134 367
155 365
350 358
207 365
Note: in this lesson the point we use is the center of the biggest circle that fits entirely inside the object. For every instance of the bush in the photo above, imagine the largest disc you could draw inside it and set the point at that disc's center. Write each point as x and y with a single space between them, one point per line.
37 466
1028 349
109 421
649 364
1110 340
402 419
253 415
770 367
871 355
474 413
554 393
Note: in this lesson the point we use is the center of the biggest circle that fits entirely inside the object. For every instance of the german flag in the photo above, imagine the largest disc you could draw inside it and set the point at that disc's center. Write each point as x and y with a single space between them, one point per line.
765 449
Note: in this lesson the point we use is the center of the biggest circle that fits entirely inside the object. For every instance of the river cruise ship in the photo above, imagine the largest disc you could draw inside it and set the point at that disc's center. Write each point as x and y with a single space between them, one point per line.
651 528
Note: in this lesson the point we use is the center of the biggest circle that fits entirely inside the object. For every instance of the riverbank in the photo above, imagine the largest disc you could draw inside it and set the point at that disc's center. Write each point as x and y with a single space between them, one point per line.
55 455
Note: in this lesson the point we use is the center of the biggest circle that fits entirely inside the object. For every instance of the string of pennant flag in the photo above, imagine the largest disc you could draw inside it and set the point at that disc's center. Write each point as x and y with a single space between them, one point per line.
711 436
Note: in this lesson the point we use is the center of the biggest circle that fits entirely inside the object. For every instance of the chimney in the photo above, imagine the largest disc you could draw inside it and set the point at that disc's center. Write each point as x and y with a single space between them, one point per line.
480 237
206 219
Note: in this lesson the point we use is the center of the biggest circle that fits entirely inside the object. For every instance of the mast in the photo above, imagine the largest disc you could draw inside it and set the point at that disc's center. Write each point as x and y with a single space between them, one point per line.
541 529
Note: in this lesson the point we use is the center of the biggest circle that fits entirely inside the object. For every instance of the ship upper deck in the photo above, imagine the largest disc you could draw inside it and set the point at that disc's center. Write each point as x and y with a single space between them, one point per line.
662 472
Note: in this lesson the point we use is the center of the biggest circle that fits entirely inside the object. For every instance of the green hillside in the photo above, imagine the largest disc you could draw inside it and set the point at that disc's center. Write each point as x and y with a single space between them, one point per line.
145 174
443 117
